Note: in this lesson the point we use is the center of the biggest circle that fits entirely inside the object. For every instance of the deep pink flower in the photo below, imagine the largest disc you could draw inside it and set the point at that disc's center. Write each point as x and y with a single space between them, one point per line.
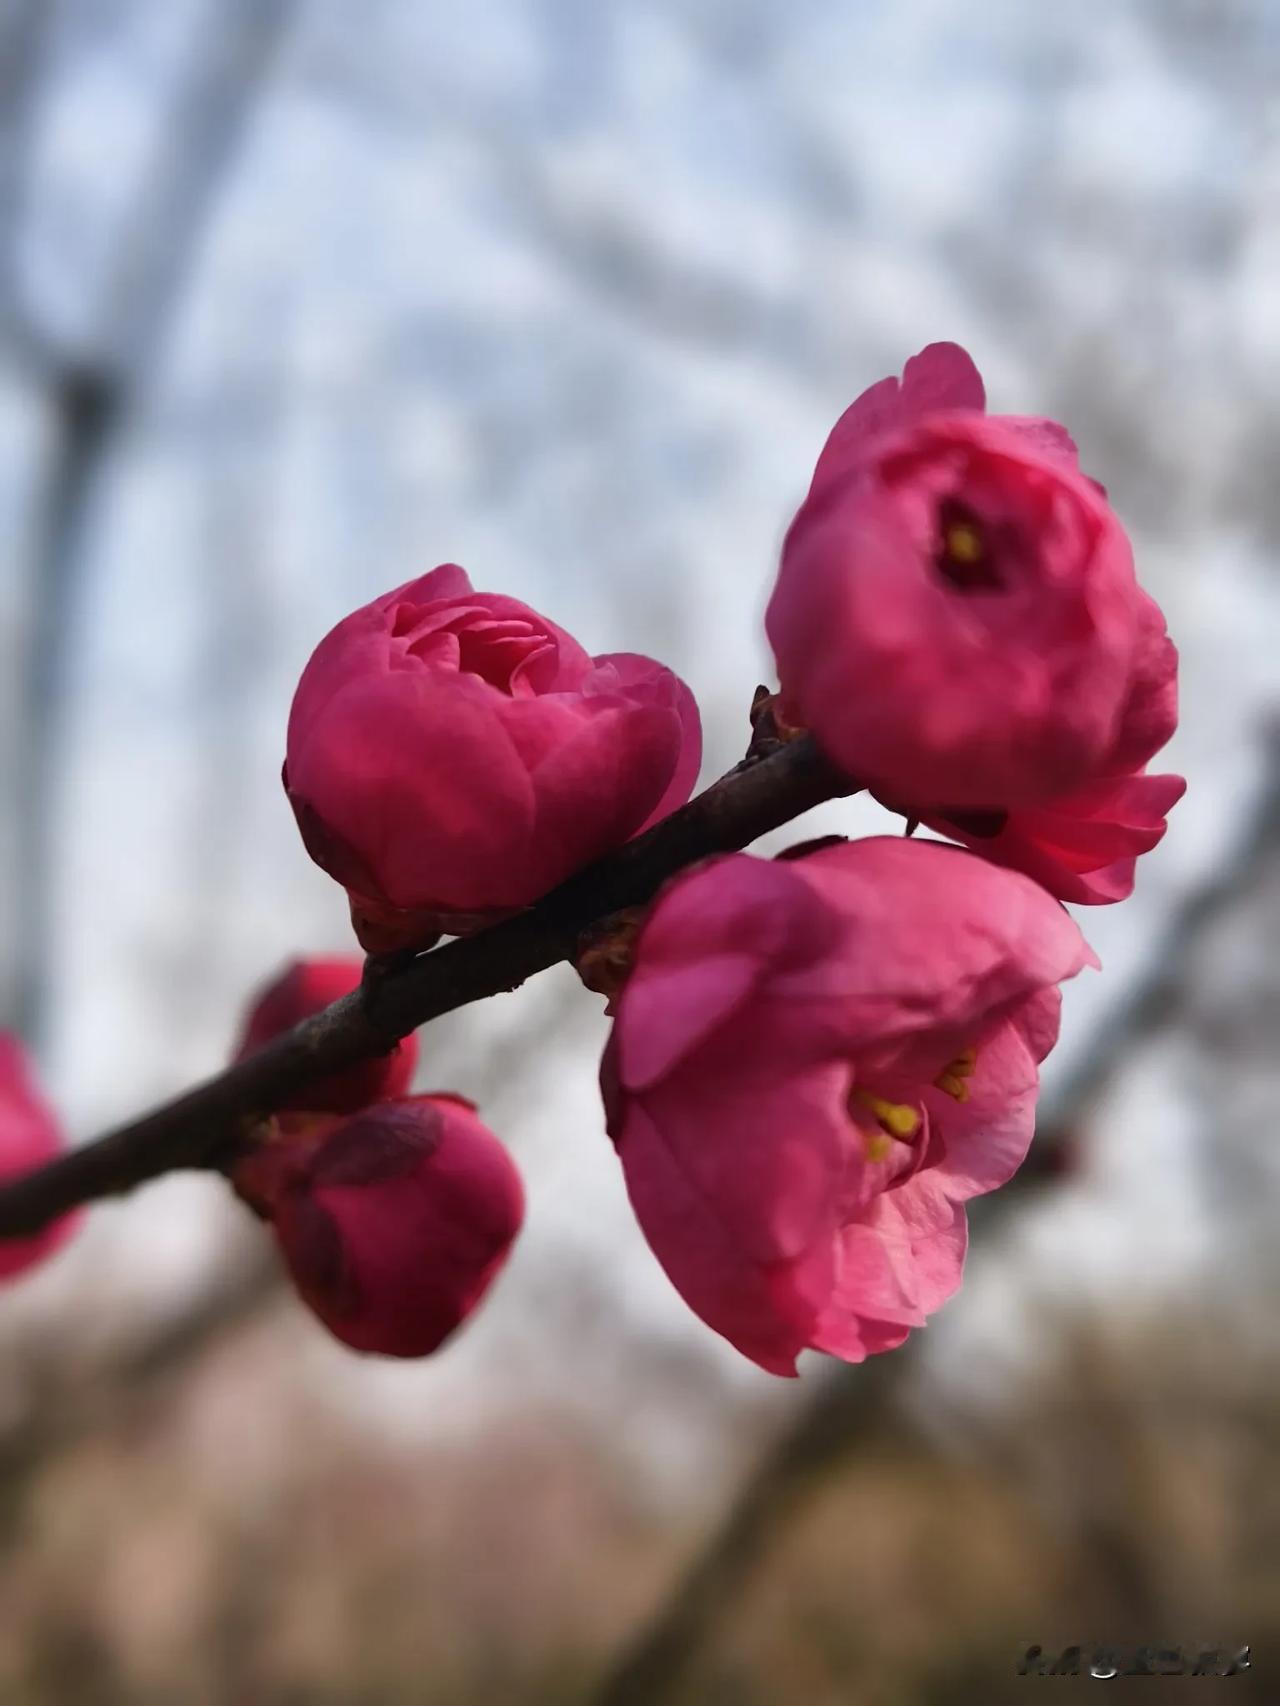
29 1136
306 987
393 1223
957 620
815 1064
452 755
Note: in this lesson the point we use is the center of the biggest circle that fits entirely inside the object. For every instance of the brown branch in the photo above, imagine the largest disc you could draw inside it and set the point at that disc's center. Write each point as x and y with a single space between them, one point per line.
200 1128
24 54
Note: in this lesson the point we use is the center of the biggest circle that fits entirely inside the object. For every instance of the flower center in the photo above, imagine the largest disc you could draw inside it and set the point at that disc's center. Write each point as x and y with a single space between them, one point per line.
900 1122
964 543
964 557
496 650
895 1119
511 653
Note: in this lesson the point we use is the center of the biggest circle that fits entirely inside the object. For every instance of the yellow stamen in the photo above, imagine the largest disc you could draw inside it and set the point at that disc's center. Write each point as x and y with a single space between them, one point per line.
964 543
877 1145
897 1119
954 1077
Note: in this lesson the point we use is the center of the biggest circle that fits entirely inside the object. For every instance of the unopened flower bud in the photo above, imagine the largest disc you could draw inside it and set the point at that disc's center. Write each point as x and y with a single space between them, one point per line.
394 1223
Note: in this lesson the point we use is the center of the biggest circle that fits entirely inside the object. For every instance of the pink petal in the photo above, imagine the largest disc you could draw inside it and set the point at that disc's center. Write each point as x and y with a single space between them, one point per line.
706 943
1151 713
985 1139
933 942
764 1142
1084 847
444 822
751 1305
1048 438
876 1276
891 1276
941 376
643 681
596 783
937 1253
449 581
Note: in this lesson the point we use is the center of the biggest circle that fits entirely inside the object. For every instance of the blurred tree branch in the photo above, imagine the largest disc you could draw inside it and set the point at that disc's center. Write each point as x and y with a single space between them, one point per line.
853 1404
23 52
202 1126
90 393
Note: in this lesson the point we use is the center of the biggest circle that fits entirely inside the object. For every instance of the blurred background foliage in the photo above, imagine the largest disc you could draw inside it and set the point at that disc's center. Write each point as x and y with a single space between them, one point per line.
298 299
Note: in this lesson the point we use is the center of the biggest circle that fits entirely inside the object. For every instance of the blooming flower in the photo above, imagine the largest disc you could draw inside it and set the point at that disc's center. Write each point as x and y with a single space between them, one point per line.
957 619
393 1223
29 1136
814 1065
452 755
306 987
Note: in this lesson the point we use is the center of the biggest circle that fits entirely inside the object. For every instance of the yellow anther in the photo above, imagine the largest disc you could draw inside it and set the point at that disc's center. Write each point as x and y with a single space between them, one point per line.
877 1146
953 1080
964 543
897 1119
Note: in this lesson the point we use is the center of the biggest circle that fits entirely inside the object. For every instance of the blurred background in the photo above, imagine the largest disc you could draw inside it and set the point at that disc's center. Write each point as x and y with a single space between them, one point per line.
300 298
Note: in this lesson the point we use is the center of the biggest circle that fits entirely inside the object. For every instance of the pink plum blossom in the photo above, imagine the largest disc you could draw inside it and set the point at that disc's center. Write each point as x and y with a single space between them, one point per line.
452 755
957 619
815 1063
305 987
29 1137
393 1223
